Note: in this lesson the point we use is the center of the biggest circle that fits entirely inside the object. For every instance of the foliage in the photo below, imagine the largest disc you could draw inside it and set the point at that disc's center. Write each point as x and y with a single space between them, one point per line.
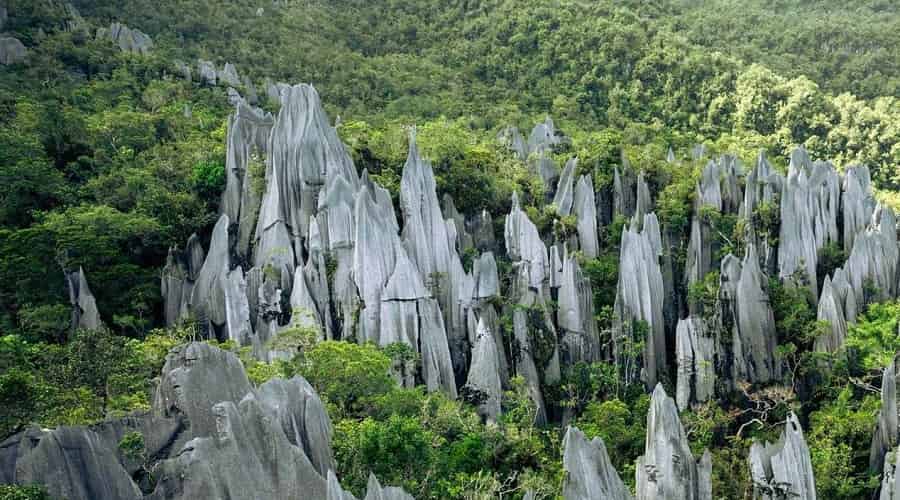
29 492
132 446
347 374
839 437
622 426
873 342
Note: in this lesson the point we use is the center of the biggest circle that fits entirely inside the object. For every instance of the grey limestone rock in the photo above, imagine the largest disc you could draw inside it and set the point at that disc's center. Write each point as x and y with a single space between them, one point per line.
643 203
831 309
229 76
886 427
513 140
432 248
575 315
208 295
743 308
482 229
464 240
304 151
523 243
565 189
246 456
890 490
374 491
12 51
207 72
75 463
195 377
589 471
237 307
486 279
84 306
295 405
857 203
783 469
809 206
127 39
544 137
667 469
483 383
695 353
248 131
585 209
639 297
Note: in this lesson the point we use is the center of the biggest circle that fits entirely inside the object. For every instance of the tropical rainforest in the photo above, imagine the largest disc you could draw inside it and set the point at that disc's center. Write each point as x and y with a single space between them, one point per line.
110 157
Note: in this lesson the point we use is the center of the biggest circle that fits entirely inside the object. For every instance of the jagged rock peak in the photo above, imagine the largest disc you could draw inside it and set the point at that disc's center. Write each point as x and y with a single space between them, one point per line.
585 209
668 469
544 137
589 471
754 338
513 140
831 310
207 295
783 469
890 490
84 306
565 195
695 352
304 152
127 39
639 297
523 243
483 383
374 491
886 427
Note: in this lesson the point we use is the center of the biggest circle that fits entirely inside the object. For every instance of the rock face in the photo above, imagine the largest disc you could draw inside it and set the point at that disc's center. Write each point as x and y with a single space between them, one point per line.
247 456
211 435
639 303
127 39
831 310
668 469
74 463
585 209
809 206
12 51
783 469
886 427
84 306
483 383
890 490
744 309
589 472
695 352
430 246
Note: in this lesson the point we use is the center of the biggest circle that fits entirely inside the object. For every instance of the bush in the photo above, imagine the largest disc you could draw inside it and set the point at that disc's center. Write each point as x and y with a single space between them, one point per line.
346 374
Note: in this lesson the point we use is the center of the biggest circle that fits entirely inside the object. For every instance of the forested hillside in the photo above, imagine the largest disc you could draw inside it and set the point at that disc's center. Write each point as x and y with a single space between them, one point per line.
152 149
